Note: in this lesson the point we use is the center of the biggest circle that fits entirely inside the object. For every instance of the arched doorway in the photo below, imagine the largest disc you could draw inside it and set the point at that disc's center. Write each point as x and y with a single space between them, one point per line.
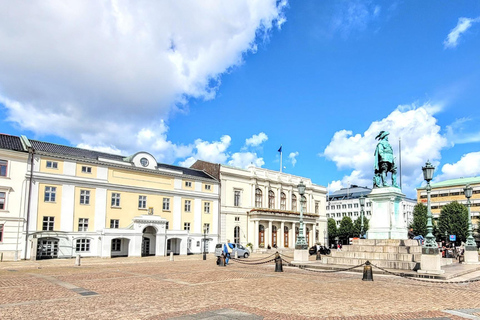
119 247
173 245
148 241
261 236
47 248
285 237
274 236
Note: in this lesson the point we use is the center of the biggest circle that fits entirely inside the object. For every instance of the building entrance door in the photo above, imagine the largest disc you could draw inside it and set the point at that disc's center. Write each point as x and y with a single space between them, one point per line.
261 236
47 248
285 237
145 247
274 236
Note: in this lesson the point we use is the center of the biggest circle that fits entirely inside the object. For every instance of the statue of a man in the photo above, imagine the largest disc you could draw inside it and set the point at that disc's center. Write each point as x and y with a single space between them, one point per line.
384 162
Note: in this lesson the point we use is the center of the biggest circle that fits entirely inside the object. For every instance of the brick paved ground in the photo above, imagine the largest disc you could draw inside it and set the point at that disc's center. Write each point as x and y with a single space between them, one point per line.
155 288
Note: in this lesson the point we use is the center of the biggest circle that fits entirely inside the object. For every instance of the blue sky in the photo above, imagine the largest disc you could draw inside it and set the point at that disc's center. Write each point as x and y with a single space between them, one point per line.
230 82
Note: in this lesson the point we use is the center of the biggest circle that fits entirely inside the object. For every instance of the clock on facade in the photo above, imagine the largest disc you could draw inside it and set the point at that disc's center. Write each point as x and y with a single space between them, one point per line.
144 162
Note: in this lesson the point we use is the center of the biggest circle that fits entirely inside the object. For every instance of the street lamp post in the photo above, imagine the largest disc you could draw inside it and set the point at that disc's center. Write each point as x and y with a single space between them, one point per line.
204 242
362 204
470 240
429 246
301 243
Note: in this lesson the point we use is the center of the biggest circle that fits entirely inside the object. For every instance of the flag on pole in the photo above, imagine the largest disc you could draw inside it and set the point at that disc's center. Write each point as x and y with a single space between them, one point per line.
280 150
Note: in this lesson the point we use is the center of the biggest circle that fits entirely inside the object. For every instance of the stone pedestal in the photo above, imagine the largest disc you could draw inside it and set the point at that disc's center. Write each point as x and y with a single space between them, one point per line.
388 218
471 255
431 262
300 256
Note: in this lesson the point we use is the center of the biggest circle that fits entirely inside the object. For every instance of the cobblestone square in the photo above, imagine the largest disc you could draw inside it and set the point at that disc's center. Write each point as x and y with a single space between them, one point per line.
190 288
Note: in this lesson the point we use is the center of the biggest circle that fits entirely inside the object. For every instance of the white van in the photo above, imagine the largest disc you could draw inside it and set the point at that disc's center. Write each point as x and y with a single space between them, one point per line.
241 250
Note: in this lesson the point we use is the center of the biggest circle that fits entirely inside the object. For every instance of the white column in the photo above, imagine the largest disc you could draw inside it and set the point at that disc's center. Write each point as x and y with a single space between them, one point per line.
314 234
292 233
255 235
269 234
282 235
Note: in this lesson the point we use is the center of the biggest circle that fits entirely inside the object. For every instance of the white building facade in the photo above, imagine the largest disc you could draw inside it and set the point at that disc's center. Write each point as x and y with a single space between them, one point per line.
262 207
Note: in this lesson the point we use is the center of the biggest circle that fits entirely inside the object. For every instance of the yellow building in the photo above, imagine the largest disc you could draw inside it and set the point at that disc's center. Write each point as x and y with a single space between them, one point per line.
447 191
99 204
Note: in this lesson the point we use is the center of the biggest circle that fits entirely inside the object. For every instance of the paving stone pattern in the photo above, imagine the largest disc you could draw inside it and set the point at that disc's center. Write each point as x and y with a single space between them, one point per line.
189 288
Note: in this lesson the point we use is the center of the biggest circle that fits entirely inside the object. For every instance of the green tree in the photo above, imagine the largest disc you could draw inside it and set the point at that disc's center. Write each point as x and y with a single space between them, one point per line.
419 223
346 229
332 230
357 226
453 220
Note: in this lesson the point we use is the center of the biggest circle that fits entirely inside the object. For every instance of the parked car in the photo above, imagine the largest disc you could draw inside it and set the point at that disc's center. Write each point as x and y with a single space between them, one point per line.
241 250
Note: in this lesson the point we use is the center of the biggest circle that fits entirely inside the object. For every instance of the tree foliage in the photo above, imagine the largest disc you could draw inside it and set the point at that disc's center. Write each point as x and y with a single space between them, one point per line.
346 229
357 226
332 230
419 223
454 220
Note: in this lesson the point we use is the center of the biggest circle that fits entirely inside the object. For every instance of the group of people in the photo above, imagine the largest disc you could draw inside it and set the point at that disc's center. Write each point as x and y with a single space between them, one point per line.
226 252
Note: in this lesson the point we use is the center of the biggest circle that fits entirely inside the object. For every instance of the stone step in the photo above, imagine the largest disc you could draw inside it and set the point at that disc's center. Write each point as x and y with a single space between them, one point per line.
377 255
385 242
382 249
399 265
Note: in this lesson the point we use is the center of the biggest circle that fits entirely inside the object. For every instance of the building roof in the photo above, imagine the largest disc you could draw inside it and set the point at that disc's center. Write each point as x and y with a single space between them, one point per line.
460 182
14 143
352 192
11 143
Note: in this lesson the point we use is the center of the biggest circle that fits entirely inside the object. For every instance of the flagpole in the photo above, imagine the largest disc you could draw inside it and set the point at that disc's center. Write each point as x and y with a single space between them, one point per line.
281 154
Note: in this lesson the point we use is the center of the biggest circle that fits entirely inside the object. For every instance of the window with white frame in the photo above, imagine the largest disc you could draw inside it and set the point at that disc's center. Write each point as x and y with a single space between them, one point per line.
236 198
116 244
142 202
283 201
1 232
86 169
115 199
258 198
294 202
206 207
271 199
237 219
236 234
304 203
3 168
206 227
188 205
355 205
188 184
166 204
317 206
186 226
50 193
48 223
52 164
84 196
167 225
114 223
3 200
83 245
83 224
208 187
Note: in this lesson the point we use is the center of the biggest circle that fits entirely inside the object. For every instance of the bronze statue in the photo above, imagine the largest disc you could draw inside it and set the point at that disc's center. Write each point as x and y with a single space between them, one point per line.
384 162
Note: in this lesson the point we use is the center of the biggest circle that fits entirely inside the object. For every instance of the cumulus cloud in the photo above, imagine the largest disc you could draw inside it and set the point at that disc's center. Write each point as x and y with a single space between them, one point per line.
245 159
462 26
104 73
420 140
256 140
467 166
293 157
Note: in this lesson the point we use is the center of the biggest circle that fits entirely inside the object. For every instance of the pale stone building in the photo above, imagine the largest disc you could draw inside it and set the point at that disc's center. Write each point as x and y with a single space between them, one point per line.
261 206
99 204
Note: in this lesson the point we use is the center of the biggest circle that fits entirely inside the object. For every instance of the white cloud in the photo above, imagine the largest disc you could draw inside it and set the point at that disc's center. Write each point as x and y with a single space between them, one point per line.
256 140
467 166
106 72
462 26
420 139
351 16
456 132
245 159
293 157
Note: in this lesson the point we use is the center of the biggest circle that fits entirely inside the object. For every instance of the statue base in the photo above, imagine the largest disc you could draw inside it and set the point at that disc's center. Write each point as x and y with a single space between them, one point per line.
387 220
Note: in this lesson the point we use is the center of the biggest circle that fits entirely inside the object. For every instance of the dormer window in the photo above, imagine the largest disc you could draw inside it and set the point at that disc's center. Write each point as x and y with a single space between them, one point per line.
188 184
52 164
86 169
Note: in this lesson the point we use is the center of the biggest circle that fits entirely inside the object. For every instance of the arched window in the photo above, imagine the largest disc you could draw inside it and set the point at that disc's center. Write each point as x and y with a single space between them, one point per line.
304 203
283 201
294 202
274 235
236 234
258 198
271 199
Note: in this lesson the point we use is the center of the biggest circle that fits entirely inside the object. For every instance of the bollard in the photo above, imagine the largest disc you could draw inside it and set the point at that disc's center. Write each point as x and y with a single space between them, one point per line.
236 254
319 256
78 260
171 256
278 263
367 272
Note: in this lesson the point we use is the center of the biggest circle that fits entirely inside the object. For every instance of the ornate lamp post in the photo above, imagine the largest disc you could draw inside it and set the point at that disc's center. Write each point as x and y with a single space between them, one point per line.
429 246
362 204
204 242
301 243
468 190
